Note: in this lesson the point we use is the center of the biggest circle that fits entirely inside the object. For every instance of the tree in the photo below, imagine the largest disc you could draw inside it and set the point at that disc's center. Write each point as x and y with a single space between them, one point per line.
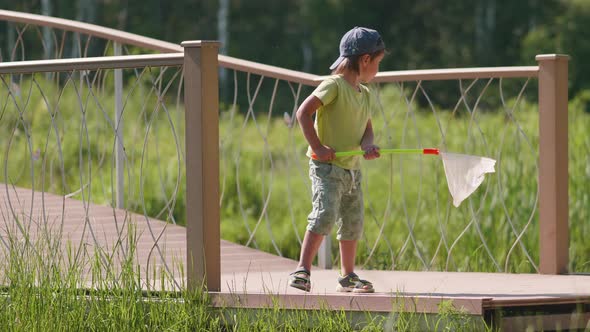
564 34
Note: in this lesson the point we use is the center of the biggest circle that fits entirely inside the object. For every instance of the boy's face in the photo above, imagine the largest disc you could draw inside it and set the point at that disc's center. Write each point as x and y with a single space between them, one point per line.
369 67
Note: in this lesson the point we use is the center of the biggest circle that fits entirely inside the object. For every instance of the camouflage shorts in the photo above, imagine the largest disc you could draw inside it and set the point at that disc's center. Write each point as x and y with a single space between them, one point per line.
337 198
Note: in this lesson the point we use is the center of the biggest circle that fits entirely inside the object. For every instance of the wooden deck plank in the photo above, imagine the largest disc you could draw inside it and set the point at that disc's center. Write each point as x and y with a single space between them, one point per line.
349 302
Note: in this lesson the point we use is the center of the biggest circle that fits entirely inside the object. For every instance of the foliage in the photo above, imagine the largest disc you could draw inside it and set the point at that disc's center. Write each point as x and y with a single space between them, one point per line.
304 34
564 35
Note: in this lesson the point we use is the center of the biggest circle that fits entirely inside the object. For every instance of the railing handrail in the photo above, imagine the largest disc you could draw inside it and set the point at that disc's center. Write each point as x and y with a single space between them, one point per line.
153 44
269 71
175 59
92 63
90 29
457 73
259 68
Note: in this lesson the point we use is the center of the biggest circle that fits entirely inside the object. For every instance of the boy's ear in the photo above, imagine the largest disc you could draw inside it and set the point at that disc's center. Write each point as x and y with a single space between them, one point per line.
365 59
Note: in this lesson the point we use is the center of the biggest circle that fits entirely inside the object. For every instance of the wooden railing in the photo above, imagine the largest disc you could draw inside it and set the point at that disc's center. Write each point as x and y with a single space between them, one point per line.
199 62
202 159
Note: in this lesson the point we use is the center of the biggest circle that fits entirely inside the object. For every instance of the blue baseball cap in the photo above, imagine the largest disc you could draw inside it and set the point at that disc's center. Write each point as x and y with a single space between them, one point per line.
358 41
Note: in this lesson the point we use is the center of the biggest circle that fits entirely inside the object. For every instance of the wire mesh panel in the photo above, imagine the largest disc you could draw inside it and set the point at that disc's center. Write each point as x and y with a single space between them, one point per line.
60 137
410 222
264 184
408 198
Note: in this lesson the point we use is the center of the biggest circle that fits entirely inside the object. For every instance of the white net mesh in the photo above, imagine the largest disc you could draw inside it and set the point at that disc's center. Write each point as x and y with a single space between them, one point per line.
465 173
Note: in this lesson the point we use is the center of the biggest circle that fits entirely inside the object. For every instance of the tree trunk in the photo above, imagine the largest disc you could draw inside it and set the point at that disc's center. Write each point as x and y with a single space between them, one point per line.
306 48
485 24
47 40
86 13
223 37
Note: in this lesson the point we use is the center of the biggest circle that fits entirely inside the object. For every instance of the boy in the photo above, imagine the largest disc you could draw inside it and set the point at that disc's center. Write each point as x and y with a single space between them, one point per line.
343 105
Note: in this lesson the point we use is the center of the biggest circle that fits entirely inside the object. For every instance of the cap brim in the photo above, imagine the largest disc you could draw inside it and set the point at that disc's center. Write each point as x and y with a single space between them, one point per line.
337 62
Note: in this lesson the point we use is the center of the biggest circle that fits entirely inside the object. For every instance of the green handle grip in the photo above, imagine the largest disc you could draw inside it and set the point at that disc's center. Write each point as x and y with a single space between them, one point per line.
385 151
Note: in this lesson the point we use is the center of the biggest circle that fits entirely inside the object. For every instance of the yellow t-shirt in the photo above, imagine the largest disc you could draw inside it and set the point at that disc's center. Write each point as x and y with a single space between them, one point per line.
342 119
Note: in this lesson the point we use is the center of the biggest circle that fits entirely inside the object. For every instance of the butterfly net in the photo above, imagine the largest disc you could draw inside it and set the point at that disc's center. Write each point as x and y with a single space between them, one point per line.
465 173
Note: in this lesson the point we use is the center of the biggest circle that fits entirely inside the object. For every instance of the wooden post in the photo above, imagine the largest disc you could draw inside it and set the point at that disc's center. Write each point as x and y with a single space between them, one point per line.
553 163
201 100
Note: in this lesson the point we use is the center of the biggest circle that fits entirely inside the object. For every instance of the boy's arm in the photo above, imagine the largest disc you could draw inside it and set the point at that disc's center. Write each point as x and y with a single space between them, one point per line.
304 117
371 150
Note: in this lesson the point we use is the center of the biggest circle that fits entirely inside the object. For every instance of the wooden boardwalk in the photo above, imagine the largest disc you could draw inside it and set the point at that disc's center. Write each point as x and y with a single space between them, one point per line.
254 279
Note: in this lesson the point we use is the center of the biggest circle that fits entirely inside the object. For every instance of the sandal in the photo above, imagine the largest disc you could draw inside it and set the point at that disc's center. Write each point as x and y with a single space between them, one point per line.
352 283
300 280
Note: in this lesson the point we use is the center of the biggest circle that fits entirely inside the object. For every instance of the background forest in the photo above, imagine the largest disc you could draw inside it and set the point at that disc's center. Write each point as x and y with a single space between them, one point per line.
304 34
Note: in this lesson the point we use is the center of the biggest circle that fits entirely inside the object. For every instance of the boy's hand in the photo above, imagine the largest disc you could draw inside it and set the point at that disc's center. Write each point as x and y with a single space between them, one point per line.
324 153
371 151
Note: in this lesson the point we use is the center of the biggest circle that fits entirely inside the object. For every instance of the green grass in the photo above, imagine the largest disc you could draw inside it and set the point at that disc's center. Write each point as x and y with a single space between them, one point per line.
46 289
264 183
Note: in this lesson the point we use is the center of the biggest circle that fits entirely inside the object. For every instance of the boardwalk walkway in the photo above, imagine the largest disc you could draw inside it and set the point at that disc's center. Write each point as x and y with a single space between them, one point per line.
249 275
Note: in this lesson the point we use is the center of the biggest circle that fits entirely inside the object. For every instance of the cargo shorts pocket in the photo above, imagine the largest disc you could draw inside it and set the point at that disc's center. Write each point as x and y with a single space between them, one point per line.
319 170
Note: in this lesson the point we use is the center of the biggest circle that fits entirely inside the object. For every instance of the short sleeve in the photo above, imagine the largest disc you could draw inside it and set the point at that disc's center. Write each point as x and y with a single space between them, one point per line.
326 91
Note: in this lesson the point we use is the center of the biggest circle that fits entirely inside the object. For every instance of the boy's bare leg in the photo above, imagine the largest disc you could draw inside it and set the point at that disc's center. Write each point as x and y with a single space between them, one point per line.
309 248
347 256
